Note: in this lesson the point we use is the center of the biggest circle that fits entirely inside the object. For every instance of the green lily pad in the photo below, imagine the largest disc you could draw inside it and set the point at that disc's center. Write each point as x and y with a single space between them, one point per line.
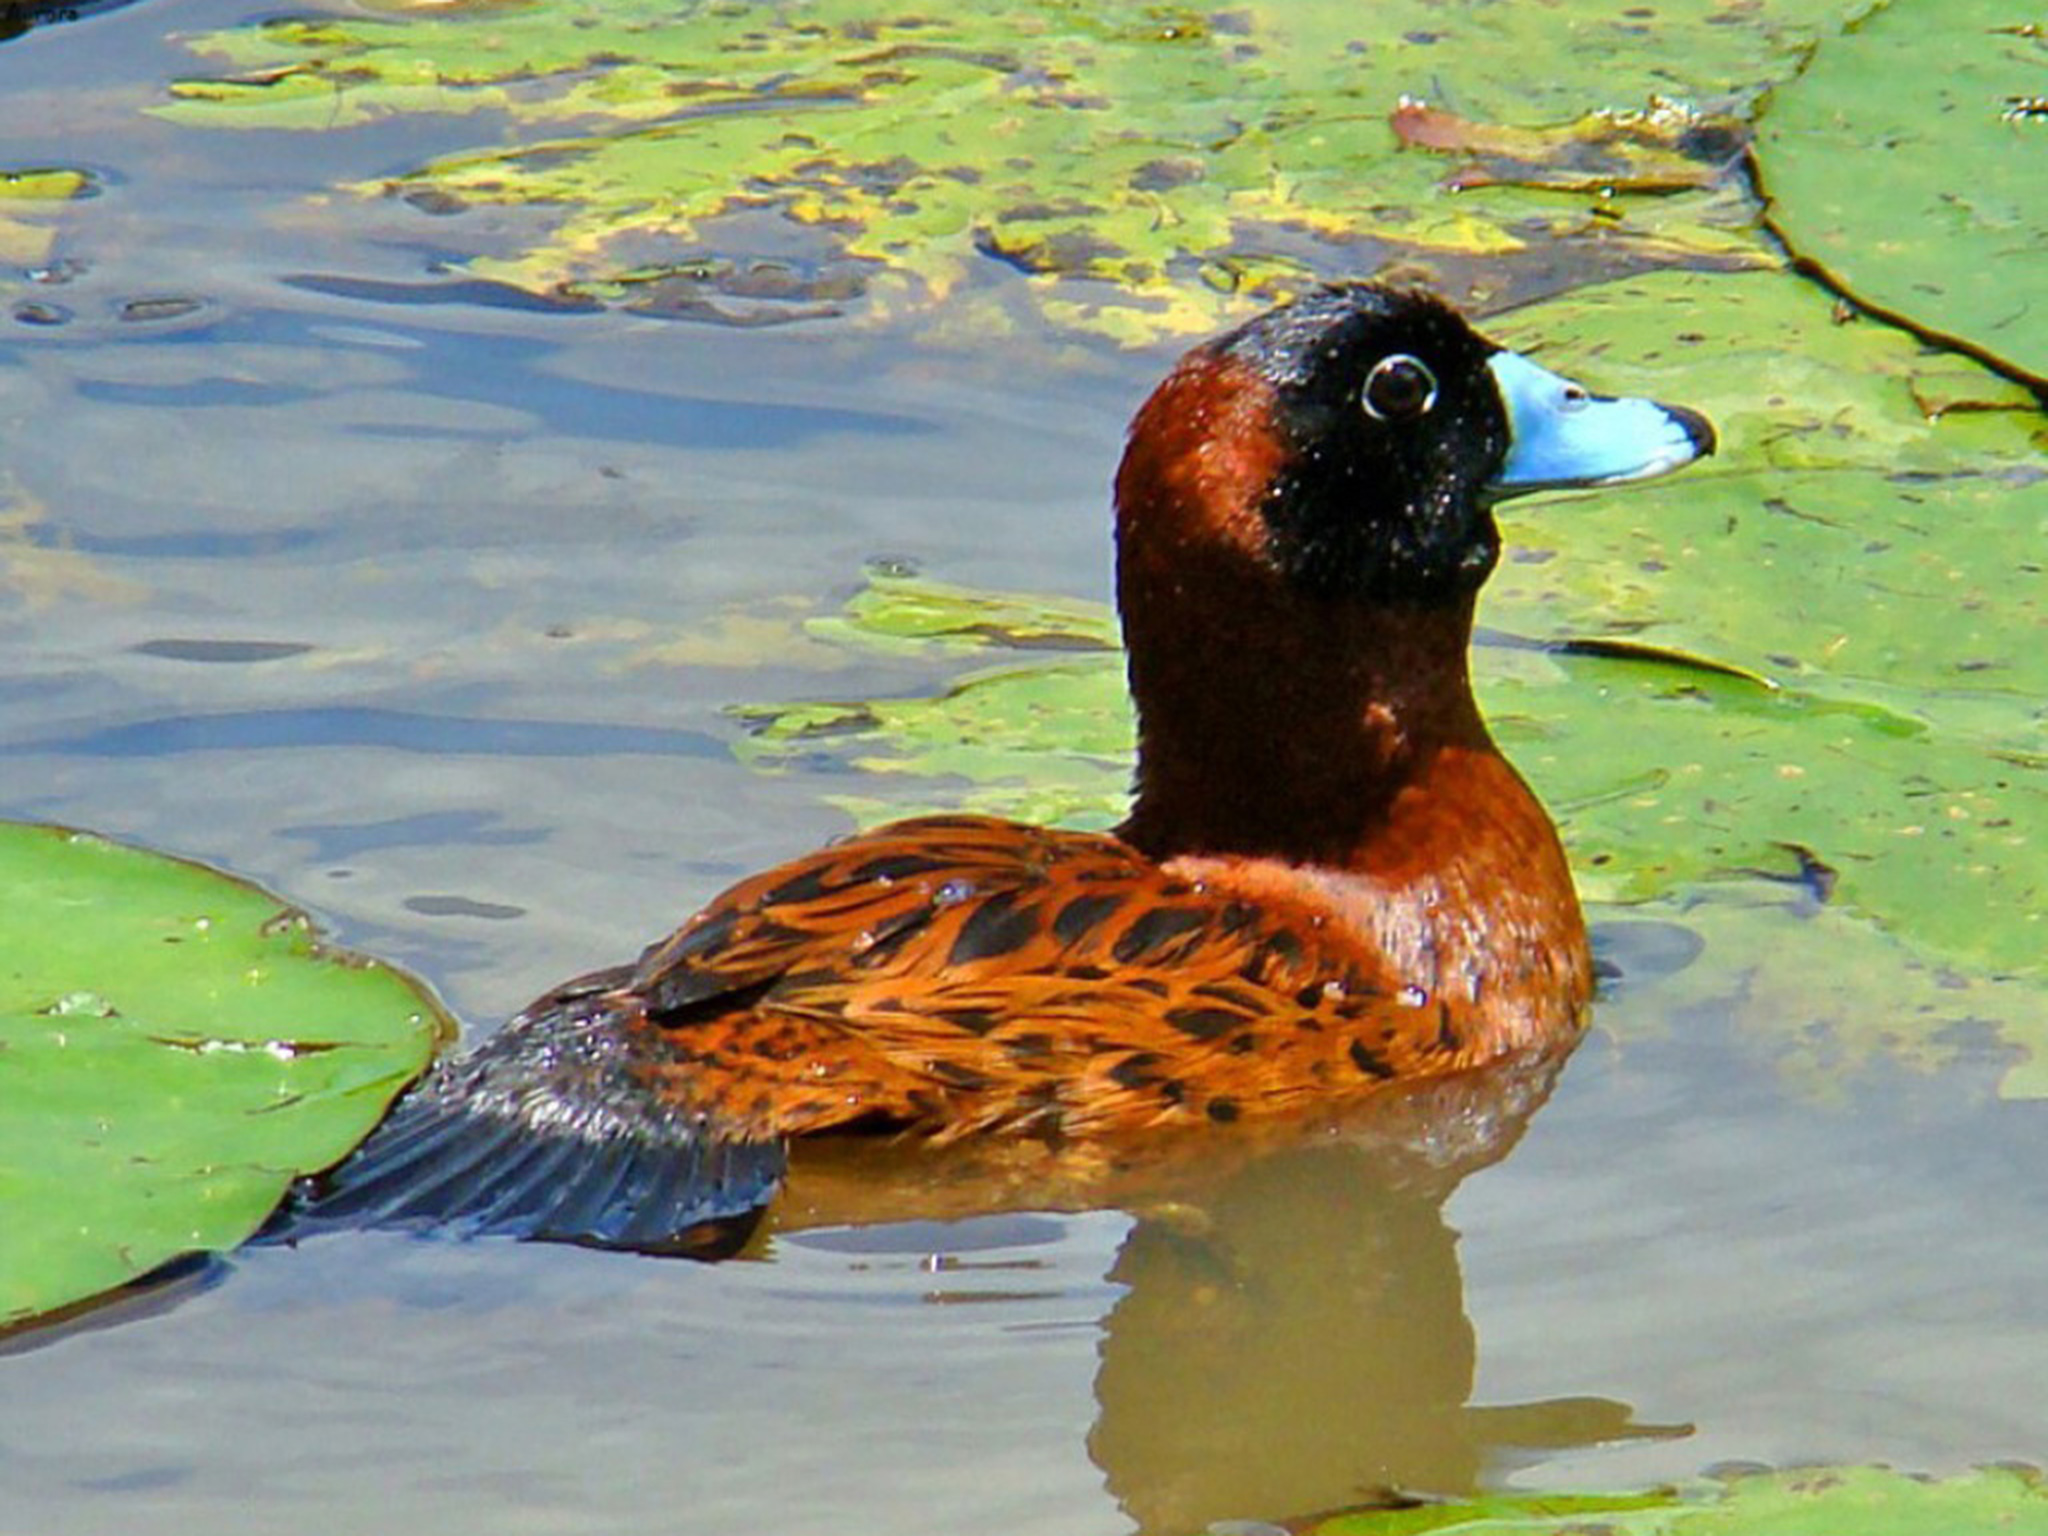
175 1047
1048 743
899 610
1822 994
1907 162
1813 660
1882 568
1147 165
1805 1501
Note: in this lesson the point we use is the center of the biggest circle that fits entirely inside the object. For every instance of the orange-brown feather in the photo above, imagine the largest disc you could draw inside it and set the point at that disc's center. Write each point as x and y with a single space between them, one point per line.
1002 976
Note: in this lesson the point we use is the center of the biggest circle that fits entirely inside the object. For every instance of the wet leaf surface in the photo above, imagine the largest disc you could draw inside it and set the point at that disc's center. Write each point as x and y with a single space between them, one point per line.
1150 169
1940 104
1805 1501
1794 646
175 1046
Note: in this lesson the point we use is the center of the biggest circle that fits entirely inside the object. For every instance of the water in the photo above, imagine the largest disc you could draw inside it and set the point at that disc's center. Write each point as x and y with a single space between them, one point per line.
426 616
1678 1266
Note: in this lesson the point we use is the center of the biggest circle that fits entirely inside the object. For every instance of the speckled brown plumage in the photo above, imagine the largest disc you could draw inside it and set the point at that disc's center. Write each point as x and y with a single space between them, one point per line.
962 974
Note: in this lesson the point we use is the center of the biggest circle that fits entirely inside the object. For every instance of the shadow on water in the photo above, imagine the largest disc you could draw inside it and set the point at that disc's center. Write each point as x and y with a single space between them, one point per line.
1292 1334
169 1286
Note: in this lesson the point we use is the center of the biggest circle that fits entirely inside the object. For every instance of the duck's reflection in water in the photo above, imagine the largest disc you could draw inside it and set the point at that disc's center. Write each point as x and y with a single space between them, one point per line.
1292 1337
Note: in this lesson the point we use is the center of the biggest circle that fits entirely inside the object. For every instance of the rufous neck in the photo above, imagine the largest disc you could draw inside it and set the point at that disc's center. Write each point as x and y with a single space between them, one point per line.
1272 722
1278 728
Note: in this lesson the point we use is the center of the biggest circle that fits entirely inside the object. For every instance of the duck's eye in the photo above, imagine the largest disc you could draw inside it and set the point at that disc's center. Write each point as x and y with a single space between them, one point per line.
1399 388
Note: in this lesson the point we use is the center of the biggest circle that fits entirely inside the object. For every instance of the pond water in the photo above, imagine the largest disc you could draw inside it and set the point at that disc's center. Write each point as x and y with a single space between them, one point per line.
426 616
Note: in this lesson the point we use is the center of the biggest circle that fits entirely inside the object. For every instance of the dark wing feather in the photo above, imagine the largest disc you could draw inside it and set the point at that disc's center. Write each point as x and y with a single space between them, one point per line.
547 1130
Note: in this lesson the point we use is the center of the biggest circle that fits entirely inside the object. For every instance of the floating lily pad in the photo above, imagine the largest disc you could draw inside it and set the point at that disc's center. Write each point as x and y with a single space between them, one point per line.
1883 568
1822 644
1144 164
175 1047
1048 743
1908 161
1806 1501
895 606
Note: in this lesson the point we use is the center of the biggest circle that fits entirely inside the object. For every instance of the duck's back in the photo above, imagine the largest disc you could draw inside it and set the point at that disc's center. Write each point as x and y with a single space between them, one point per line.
957 974
943 976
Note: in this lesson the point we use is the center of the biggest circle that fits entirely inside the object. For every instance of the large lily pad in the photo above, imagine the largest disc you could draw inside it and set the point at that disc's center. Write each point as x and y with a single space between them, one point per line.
1880 567
1908 160
1144 163
1669 781
175 1047
1813 661
1807 1501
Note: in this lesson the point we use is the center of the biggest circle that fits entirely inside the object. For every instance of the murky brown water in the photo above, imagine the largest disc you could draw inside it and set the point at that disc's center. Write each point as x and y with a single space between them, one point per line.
403 612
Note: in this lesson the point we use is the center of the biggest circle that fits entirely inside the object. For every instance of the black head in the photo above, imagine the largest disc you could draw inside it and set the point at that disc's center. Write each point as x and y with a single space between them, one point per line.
1392 429
1399 427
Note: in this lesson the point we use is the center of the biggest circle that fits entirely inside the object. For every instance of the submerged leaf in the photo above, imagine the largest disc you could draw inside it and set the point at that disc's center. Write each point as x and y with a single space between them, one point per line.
1148 169
1665 148
1802 1501
1826 639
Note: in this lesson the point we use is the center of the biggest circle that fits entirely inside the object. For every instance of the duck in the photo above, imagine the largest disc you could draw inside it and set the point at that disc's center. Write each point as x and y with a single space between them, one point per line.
1330 879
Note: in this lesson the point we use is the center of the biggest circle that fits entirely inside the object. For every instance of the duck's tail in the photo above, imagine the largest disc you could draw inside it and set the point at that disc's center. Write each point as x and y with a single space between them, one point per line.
545 1131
